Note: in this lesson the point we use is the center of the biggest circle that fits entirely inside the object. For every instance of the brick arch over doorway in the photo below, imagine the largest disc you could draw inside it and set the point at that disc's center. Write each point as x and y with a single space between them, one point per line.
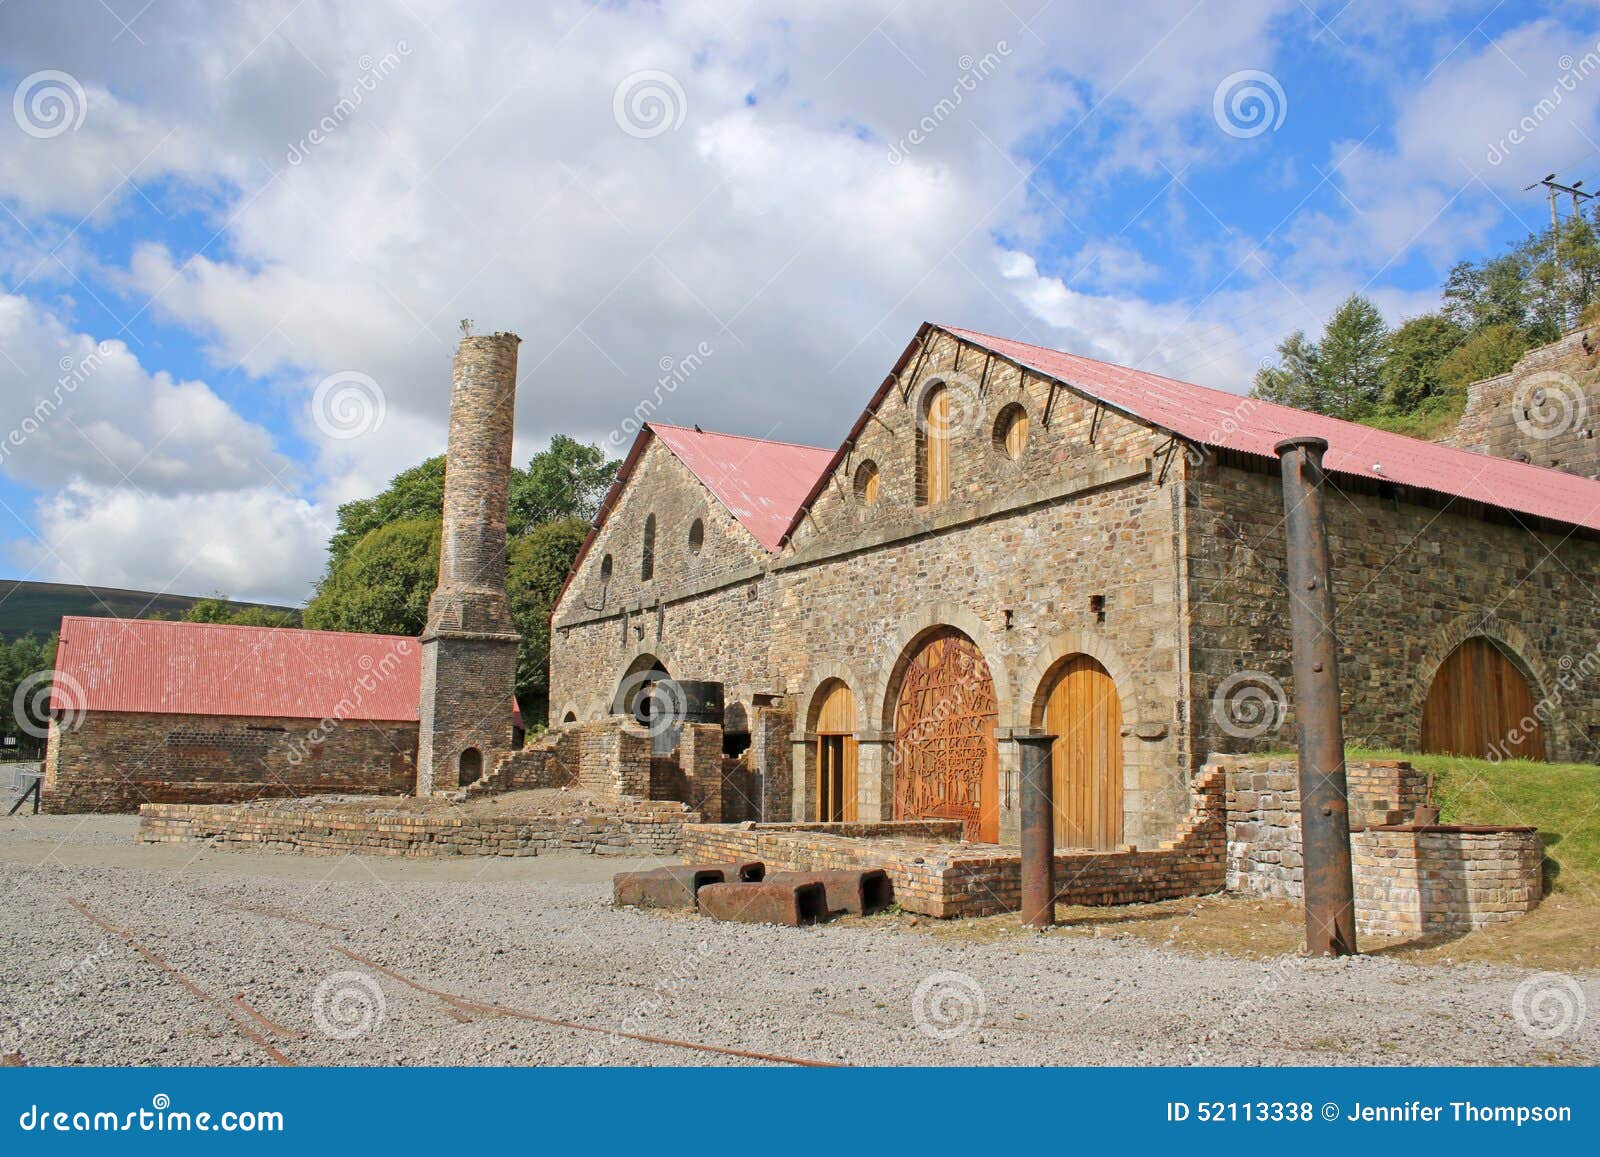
945 757
877 696
1521 654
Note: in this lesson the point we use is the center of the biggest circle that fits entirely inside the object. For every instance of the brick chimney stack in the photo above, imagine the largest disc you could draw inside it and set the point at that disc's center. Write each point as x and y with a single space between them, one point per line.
469 647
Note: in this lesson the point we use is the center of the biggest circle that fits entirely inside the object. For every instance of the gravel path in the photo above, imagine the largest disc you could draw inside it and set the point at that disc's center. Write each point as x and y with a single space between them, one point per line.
539 935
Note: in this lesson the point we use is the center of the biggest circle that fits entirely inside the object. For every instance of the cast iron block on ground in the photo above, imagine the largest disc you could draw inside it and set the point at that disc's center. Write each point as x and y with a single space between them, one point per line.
859 893
765 903
675 885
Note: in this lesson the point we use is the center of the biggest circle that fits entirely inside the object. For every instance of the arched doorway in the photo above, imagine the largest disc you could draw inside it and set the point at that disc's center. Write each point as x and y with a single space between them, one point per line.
1480 705
635 690
834 722
946 765
1084 712
470 766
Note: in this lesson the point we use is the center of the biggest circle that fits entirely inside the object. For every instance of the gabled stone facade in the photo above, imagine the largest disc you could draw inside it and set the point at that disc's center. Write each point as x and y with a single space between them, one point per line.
1107 537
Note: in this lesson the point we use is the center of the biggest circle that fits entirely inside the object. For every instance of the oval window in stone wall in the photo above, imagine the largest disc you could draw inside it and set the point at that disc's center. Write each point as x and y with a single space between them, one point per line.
605 569
697 536
1011 431
867 482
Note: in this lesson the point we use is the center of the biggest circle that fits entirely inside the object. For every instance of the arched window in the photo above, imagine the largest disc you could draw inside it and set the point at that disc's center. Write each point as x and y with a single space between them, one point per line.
1011 431
933 448
697 536
867 482
605 570
647 557
470 766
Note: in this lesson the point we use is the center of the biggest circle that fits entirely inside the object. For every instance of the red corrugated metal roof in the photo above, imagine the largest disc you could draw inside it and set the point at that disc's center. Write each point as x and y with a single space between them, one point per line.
762 483
209 669
1217 418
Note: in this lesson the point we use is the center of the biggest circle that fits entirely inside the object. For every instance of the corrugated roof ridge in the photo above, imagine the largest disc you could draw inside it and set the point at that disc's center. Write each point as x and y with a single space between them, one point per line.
228 626
741 437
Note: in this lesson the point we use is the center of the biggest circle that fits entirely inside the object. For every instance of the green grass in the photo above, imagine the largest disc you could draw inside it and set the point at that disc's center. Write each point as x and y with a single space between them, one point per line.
1562 800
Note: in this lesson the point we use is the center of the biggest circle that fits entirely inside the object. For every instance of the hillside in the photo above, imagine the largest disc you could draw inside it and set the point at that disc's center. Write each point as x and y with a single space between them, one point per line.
29 608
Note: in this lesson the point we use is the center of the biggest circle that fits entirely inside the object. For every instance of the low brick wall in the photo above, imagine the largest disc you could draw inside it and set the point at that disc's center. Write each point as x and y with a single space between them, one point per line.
1446 879
935 875
1411 881
638 828
113 761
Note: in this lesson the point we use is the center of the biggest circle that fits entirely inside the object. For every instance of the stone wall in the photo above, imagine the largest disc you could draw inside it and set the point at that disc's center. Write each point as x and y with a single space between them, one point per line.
1413 578
638 829
936 875
613 756
1544 411
112 761
1413 881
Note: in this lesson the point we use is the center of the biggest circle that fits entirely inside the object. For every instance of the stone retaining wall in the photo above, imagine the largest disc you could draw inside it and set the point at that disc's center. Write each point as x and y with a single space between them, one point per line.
637 828
1408 881
936 875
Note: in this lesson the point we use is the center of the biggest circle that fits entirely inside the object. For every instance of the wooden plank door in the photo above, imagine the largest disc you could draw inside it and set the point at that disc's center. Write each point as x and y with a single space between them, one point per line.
1478 706
1084 713
946 763
836 754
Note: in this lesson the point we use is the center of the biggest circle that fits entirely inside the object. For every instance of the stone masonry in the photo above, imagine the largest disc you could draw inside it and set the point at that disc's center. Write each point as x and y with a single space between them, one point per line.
113 761
469 647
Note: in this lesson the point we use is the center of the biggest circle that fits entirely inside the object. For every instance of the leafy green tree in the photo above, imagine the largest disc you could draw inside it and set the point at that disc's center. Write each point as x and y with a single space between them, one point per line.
1489 352
20 660
1292 381
536 568
567 480
1411 371
1350 359
417 493
383 583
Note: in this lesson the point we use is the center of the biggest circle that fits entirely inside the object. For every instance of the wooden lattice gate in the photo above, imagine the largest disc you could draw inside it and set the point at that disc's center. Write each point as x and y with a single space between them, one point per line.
946 762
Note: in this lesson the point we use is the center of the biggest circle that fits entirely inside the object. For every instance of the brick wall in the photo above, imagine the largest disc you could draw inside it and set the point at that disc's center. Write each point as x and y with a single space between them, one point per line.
770 729
114 761
640 829
1544 411
1417 882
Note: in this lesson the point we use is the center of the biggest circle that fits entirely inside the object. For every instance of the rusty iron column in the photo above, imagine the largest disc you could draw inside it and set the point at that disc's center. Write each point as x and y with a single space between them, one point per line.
1038 831
1324 800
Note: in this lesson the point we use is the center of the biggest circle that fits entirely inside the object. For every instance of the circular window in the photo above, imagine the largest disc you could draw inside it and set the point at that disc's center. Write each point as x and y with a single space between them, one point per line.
605 569
1011 431
697 536
867 482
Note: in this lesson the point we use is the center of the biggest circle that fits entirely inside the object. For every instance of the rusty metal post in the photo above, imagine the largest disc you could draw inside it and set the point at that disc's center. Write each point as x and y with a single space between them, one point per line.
1038 831
1324 800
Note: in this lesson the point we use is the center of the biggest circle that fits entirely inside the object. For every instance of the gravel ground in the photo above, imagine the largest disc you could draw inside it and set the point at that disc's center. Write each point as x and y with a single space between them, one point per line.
539 935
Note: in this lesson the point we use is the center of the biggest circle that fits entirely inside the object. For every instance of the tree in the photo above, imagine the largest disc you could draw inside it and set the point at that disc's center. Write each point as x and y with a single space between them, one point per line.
1411 371
567 480
1350 358
1293 380
1488 353
537 564
20 660
417 493
383 584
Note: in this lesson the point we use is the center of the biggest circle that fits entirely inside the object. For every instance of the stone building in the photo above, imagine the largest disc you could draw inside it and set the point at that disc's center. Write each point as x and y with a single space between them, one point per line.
1013 539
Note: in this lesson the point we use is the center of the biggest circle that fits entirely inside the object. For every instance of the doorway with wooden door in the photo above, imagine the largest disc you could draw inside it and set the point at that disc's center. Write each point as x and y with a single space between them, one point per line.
834 725
1480 705
1084 712
946 763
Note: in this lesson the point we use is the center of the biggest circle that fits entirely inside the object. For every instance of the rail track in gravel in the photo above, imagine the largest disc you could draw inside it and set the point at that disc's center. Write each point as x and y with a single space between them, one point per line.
255 1026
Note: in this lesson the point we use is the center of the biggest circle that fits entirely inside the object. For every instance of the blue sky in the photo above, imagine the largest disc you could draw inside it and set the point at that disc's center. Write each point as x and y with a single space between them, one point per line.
249 232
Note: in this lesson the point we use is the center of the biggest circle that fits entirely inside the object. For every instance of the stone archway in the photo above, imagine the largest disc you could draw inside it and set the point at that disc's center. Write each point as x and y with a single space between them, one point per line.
633 690
1083 710
945 710
1480 705
1521 656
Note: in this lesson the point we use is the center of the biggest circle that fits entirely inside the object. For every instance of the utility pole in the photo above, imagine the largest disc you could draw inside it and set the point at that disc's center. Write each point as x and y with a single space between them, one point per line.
1552 187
